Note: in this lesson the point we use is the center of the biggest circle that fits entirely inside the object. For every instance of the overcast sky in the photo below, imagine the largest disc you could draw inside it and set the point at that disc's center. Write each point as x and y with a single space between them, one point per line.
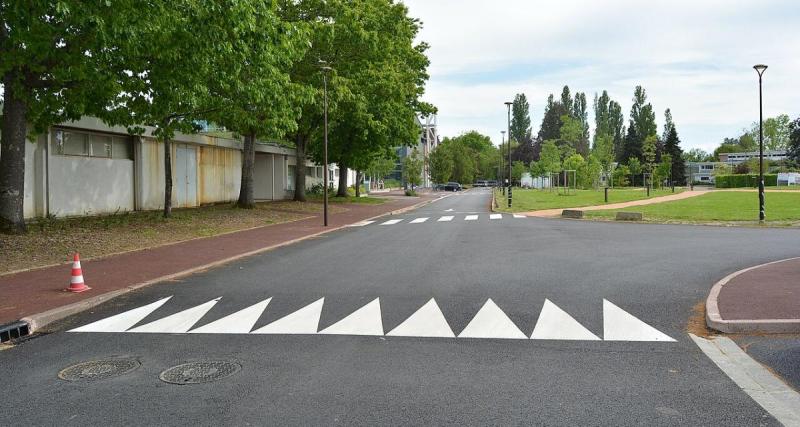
694 57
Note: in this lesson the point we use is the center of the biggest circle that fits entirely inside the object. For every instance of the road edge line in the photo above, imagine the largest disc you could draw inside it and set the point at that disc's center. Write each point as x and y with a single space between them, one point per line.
756 381
714 319
39 320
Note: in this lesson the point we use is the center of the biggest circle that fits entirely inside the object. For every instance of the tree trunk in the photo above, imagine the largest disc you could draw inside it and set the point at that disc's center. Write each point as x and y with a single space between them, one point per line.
358 184
246 199
12 160
167 178
300 169
342 190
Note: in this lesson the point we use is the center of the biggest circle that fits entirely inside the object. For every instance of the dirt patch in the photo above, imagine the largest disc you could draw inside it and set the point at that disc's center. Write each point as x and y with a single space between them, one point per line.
697 321
53 241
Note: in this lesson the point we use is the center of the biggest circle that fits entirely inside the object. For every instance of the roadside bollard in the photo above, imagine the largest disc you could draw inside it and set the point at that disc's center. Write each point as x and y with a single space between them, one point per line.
606 194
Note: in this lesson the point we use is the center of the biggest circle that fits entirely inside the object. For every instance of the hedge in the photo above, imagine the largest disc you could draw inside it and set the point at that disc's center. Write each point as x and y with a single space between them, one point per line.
744 180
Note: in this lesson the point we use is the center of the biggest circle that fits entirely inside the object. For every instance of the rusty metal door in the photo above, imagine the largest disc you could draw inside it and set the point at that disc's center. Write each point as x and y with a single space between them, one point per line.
185 176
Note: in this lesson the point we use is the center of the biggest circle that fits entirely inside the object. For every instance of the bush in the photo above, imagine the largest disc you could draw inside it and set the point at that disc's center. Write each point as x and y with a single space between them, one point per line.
316 189
744 180
411 193
391 183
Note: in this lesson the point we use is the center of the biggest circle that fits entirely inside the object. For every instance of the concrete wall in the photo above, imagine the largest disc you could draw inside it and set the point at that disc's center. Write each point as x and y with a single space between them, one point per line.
86 185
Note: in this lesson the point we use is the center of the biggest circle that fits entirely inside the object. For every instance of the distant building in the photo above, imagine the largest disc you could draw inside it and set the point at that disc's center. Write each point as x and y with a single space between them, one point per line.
702 172
428 140
738 158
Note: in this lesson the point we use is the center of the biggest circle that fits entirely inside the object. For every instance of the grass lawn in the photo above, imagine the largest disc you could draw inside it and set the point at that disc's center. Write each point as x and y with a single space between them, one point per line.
718 206
532 200
52 241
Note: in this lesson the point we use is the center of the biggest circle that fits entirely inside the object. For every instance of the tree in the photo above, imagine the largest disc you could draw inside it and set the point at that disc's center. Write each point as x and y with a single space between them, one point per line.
673 150
632 147
663 170
572 134
257 100
696 155
603 151
57 63
776 132
649 153
550 128
412 169
381 166
441 165
635 168
520 119
794 141
621 174
517 169
643 118
550 159
609 125
589 174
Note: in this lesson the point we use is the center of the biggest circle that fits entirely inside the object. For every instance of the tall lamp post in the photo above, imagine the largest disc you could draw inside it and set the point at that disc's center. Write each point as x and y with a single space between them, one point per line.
502 166
325 70
760 68
508 104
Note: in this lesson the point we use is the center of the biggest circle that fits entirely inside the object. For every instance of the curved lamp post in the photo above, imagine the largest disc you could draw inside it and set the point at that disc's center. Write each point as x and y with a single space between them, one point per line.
760 68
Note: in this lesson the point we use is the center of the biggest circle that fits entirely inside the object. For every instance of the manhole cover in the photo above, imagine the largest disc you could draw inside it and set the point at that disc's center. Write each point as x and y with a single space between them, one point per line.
199 372
98 369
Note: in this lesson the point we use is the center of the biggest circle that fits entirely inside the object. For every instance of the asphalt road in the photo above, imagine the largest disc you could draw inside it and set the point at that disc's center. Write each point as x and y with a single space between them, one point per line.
656 273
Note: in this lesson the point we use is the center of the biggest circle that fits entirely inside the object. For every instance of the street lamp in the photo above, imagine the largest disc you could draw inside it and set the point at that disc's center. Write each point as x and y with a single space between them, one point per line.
502 167
325 70
760 68
508 104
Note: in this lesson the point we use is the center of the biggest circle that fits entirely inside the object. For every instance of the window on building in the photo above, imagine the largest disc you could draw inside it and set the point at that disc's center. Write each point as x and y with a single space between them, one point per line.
310 172
122 148
290 178
99 146
72 143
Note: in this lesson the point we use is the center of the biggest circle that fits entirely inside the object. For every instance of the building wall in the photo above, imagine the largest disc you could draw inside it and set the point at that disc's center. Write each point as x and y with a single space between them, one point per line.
85 185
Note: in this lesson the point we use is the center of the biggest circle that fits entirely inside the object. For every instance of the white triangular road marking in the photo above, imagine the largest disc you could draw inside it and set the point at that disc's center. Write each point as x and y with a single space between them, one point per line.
556 324
491 322
427 321
240 322
445 218
364 321
302 321
179 322
123 321
619 325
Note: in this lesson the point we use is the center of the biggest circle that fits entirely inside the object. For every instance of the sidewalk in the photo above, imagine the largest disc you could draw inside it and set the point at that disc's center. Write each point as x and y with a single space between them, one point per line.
764 298
551 213
37 296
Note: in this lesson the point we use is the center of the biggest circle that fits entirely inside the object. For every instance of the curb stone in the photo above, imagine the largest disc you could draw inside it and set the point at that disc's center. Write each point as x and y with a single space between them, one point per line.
714 319
36 322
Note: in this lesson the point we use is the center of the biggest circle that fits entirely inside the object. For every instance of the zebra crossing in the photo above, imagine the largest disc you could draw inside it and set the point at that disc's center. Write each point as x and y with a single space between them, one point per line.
490 322
442 218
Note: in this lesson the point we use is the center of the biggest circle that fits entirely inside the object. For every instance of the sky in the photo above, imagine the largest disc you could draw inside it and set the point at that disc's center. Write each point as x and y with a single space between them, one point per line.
694 57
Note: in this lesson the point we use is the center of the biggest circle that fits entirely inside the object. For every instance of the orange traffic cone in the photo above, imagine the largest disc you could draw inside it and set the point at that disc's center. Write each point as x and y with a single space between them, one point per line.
76 282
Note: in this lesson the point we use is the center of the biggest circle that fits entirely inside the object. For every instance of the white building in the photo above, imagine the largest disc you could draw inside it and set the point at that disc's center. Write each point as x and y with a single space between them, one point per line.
86 167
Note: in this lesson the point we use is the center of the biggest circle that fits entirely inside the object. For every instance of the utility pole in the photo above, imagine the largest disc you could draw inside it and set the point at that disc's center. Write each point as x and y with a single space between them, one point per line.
508 104
760 68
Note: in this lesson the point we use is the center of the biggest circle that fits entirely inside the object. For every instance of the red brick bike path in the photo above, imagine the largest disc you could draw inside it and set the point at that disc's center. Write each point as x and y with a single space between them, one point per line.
37 291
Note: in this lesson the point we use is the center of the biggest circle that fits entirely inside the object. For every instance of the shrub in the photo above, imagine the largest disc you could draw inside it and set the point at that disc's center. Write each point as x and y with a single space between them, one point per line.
411 193
744 180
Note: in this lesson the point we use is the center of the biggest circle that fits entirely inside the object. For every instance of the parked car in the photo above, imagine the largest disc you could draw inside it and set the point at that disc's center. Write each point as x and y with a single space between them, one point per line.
452 186
492 183
481 183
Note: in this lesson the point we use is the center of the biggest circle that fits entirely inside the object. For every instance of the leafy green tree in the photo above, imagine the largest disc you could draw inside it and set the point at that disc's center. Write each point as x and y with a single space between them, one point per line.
550 158
537 169
635 168
381 166
643 118
776 132
412 169
520 119
550 128
609 123
603 151
517 169
664 169
794 141
631 148
696 155
441 165
589 173
649 153
57 63
621 174
572 133
673 149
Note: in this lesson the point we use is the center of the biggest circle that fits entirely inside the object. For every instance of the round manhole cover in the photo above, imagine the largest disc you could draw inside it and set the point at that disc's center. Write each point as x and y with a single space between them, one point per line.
199 372
98 369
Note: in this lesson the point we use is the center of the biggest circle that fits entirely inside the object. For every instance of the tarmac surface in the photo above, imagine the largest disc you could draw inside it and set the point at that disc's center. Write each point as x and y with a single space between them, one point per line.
627 285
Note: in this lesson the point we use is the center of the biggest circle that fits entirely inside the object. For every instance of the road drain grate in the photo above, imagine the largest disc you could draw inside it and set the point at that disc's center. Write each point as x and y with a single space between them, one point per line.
98 369
199 372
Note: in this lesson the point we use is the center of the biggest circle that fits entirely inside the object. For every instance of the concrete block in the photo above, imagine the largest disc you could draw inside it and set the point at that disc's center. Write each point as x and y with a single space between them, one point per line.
629 216
572 213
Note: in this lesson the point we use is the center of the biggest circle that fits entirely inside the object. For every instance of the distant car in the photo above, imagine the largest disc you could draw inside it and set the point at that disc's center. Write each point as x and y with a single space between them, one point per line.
452 186
481 183
492 183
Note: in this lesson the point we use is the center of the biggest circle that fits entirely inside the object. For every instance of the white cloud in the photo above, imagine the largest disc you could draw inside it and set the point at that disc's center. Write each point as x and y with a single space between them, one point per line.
694 57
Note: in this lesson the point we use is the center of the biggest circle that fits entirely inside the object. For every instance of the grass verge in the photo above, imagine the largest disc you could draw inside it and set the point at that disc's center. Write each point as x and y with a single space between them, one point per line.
724 207
52 241
533 200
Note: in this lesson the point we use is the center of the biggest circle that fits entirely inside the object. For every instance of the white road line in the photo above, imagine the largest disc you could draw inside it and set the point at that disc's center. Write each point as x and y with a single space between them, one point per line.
556 324
361 224
419 220
302 321
496 216
240 322
780 400
519 216
619 325
123 321
491 322
391 222
179 322
427 321
364 321
471 218
445 219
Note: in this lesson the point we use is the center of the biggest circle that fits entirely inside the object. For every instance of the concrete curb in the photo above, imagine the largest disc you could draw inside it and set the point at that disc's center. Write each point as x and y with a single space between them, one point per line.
772 326
36 322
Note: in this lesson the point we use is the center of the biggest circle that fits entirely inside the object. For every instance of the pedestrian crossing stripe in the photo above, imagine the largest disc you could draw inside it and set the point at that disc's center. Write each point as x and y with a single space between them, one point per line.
428 321
496 216
391 222
471 218
446 218
419 220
